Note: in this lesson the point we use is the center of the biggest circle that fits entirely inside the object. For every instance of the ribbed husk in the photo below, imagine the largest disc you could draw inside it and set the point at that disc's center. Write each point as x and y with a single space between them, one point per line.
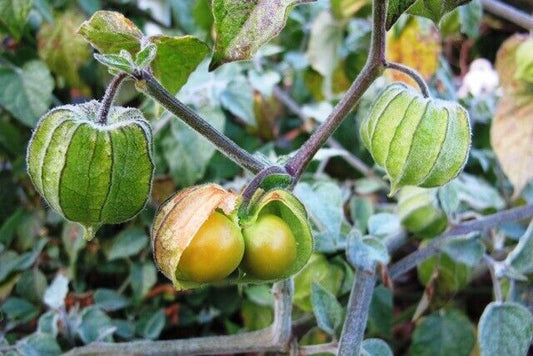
179 219
420 213
91 173
418 141
285 205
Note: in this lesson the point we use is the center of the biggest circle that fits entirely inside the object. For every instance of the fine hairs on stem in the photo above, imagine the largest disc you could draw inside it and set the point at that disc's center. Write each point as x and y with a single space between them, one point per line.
109 97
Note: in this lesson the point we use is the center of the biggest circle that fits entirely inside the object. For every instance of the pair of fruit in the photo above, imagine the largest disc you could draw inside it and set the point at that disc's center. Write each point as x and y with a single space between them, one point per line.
96 173
199 237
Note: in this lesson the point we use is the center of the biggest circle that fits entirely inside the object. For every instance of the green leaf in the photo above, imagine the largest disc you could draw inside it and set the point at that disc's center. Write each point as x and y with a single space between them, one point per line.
55 294
95 326
39 344
365 252
327 309
110 32
14 14
323 201
144 57
32 285
324 43
48 323
26 92
63 51
109 300
176 59
521 258
238 98
186 152
396 9
128 243
443 333
244 26
260 295
465 249
115 62
143 276
435 9
505 329
149 326
383 224
452 275
19 309
376 347
381 312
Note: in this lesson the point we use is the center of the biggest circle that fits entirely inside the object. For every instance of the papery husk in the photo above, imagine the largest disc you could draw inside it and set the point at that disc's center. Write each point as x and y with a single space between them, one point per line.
178 220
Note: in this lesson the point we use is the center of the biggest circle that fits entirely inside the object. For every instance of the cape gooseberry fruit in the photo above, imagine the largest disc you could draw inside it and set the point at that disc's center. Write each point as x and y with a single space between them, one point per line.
420 213
277 237
270 247
418 141
89 172
214 252
196 238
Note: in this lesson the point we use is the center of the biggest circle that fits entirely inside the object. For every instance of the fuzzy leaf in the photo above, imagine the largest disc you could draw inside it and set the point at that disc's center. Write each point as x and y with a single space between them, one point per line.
521 258
110 31
244 26
176 59
26 92
14 14
328 311
435 9
505 329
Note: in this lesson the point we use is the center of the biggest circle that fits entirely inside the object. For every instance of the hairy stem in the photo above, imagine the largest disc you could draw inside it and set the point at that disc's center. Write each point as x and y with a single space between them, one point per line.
229 148
498 295
354 327
488 222
424 88
373 67
509 13
109 97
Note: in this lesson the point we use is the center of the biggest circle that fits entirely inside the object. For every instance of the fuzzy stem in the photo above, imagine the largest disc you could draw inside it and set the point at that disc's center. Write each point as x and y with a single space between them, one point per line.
489 261
373 67
488 222
417 77
229 148
109 97
354 327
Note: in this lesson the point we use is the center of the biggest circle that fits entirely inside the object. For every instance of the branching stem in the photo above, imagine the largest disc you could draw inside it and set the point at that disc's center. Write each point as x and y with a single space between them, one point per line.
109 97
197 123
373 67
488 222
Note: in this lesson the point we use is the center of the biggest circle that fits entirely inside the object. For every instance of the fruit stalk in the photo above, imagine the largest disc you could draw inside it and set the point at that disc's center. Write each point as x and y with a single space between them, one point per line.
109 97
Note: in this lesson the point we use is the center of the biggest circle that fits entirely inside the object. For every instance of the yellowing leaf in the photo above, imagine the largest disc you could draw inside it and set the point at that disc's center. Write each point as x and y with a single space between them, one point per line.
512 128
417 47
62 50
346 8
244 26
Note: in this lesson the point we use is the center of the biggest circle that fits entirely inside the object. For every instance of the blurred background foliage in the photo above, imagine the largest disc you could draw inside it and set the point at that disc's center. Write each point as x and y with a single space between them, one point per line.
57 291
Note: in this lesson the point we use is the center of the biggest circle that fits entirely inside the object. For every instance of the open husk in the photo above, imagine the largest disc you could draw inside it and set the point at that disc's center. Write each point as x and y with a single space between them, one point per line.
179 219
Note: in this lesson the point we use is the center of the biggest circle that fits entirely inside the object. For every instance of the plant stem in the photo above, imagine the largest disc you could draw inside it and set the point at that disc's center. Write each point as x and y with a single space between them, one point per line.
498 295
330 348
354 327
197 123
275 338
352 160
109 97
417 77
488 222
373 67
509 13
256 182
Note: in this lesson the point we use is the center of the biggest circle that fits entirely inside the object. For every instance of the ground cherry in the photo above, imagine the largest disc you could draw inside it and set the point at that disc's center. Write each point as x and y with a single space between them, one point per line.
214 252
270 248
